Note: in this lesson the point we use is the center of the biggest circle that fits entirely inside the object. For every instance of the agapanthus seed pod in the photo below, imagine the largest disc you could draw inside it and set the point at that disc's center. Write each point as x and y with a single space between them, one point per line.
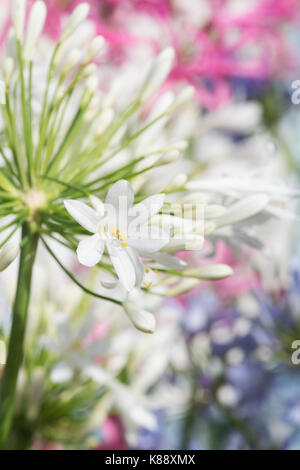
35 26
8 254
214 272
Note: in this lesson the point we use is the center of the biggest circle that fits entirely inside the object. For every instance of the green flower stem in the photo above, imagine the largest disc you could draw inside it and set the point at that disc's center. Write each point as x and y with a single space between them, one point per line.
16 343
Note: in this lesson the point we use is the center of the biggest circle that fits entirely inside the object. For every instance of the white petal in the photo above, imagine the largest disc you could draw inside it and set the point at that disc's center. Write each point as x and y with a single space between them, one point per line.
120 192
61 372
148 239
83 214
146 209
169 261
90 250
138 266
123 265
243 209
98 205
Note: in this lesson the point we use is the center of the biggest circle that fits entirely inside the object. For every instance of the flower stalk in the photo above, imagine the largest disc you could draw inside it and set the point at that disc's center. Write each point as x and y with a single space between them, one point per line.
16 343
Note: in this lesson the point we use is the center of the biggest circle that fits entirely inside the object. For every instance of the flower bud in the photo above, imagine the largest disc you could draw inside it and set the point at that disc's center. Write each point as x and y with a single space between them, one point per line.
77 17
183 286
141 319
18 10
158 73
35 26
8 69
8 254
72 60
243 209
95 47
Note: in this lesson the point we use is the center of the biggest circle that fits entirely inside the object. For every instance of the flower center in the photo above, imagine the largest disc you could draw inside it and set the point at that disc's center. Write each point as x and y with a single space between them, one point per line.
111 234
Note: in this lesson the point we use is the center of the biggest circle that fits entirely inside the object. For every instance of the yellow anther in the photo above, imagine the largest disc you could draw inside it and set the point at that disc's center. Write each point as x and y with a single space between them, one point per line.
147 284
124 244
146 270
155 270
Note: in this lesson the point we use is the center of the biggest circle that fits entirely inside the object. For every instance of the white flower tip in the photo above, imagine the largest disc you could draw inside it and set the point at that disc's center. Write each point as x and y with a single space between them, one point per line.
35 26
159 71
212 273
95 47
18 10
142 320
2 92
8 254
77 17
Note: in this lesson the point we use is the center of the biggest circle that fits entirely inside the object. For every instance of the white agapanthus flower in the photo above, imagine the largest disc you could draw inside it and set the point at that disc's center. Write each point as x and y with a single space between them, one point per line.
119 226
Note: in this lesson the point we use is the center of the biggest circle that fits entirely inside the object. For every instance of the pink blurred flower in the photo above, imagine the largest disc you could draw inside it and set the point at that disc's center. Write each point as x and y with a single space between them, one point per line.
112 434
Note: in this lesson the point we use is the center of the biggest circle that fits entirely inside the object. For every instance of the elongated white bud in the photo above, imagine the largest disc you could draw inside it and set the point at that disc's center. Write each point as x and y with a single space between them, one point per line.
95 47
89 70
35 26
8 69
183 286
2 353
183 97
214 272
77 17
8 254
168 157
244 209
2 92
141 319
18 10
159 71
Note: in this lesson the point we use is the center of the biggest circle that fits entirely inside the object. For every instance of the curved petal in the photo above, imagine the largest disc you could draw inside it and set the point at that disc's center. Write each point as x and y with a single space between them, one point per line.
146 209
169 261
123 265
149 239
61 372
119 193
138 265
83 214
90 250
